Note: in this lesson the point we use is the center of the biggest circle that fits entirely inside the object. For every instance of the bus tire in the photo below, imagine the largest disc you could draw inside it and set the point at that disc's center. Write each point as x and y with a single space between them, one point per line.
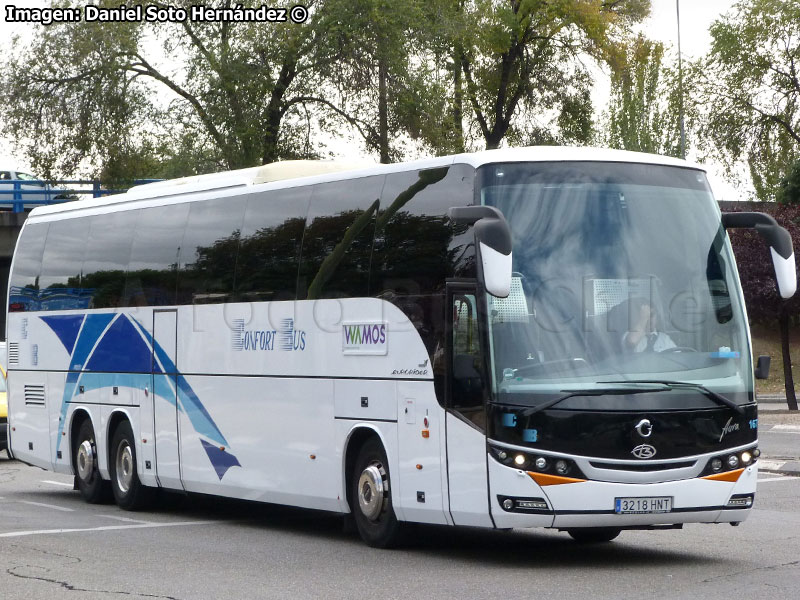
594 535
90 483
372 499
129 492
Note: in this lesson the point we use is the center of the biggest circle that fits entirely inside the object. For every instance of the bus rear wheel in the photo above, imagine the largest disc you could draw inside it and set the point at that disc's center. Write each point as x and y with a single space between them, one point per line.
129 492
371 497
91 485
594 535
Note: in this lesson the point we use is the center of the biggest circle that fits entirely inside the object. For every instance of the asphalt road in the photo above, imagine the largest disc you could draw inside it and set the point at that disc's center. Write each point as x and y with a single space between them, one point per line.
52 545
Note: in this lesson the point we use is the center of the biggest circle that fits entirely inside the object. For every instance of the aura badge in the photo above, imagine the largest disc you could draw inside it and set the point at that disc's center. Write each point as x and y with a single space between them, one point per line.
644 451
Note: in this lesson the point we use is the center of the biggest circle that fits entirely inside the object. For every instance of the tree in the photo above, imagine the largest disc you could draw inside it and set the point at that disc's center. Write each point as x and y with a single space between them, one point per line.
643 113
110 93
521 61
751 89
789 190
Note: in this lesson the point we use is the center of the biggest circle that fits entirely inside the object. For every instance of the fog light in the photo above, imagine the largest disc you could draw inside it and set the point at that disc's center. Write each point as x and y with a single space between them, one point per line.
502 454
756 453
508 504
716 464
744 501
746 458
562 468
733 461
519 460
541 463
535 504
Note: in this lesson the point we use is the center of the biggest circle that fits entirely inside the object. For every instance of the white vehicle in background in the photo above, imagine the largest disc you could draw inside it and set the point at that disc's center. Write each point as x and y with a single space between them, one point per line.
444 341
34 190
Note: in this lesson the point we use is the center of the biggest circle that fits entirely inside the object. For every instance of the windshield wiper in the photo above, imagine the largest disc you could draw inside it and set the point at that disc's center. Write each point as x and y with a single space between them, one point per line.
590 392
716 397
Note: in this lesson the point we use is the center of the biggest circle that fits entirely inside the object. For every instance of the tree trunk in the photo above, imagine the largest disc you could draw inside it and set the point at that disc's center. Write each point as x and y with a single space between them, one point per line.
458 107
791 398
383 112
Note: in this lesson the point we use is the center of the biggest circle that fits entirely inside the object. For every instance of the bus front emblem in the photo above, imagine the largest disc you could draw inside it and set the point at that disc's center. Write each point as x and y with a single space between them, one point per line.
644 428
644 451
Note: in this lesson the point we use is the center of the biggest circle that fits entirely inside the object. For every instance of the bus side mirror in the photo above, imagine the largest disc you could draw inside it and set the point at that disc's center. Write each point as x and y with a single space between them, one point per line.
493 244
780 246
762 367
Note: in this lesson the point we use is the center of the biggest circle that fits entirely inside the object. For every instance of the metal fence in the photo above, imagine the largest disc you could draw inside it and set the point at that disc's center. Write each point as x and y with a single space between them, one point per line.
18 195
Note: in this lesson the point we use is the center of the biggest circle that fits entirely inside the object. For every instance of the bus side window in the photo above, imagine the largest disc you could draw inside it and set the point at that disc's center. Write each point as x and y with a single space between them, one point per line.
467 383
60 281
208 252
108 251
269 250
337 241
152 276
23 293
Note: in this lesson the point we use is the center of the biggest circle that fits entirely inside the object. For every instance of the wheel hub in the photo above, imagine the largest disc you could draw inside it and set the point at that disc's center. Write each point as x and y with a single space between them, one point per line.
85 460
372 488
124 466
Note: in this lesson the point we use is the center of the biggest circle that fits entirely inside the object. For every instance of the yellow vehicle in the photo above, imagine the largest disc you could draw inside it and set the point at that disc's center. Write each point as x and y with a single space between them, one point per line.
3 411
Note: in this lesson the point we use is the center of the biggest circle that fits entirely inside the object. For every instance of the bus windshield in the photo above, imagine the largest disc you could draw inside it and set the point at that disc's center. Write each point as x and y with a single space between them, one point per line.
622 276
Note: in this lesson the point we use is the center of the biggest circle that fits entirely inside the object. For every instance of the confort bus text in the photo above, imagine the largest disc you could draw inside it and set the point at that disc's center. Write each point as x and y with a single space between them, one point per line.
152 13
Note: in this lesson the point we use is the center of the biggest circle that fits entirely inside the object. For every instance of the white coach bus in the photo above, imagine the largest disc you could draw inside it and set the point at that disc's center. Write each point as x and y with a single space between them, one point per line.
534 337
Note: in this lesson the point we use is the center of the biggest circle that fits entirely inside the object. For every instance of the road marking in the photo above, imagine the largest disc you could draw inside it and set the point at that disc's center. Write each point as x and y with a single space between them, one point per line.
42 504
69 485
786 429
778 479
125 519
105 528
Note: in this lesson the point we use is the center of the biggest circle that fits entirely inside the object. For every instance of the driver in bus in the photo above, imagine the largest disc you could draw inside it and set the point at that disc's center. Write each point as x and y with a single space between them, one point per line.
644 335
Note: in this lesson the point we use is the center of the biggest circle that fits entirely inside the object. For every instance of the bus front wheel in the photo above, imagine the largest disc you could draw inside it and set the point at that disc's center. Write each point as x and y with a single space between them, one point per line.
129 492
594 535
87 475
372 499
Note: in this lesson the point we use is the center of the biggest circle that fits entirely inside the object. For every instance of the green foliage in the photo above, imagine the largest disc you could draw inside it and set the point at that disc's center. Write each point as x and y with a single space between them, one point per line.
644 109
789 191
524 69
118 97
751 91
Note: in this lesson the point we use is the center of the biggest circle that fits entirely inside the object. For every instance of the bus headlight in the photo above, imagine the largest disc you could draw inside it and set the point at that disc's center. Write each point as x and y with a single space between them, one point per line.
733 461
716 465
541 463
746 458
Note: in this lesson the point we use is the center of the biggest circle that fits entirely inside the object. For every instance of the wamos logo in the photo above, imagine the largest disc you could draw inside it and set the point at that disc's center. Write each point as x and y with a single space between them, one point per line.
288 338
365 338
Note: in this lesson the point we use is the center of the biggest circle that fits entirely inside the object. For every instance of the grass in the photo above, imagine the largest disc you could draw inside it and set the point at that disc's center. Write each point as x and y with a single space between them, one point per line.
767 340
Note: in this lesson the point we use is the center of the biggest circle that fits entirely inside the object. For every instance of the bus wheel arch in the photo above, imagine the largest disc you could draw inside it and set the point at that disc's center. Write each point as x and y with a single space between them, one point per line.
128 490
83 441
369 489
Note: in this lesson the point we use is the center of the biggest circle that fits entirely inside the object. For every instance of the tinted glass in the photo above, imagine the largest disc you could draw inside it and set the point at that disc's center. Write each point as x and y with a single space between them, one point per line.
24 285
108 251
621 273
269 251
152 271
416 248
208 252
337 242
60 280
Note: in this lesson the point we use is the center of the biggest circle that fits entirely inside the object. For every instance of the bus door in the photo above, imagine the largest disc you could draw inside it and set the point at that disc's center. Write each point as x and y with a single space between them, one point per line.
467 469
164 397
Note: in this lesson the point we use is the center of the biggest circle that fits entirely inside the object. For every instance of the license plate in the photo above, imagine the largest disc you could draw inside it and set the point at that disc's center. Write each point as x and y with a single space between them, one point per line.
643 506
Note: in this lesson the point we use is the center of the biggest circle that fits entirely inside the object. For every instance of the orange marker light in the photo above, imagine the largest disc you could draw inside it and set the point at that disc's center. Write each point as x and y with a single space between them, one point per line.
312 456
419 467
426 433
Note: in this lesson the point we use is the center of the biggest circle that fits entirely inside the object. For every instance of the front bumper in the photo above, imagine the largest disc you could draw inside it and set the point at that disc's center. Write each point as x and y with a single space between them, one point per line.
590 503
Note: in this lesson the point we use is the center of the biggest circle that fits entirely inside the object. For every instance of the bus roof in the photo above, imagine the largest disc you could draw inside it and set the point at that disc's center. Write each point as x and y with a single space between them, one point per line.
306 172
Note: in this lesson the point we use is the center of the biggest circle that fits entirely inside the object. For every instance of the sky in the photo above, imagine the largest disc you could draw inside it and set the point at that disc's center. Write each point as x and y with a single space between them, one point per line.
695 16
